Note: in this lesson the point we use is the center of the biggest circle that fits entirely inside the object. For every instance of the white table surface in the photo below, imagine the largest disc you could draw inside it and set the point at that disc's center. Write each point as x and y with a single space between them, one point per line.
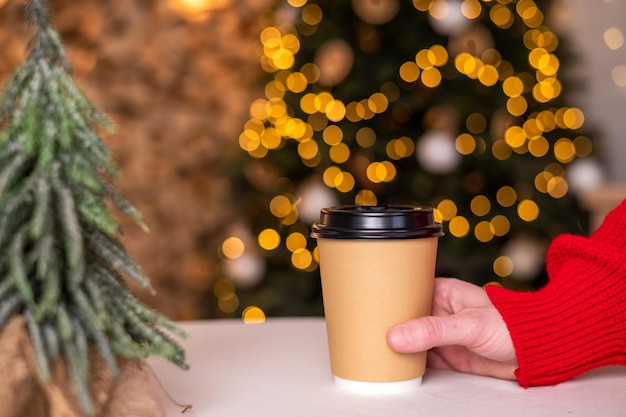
281 368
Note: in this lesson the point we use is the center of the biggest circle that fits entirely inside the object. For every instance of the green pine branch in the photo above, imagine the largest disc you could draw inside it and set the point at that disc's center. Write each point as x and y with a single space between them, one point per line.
61 264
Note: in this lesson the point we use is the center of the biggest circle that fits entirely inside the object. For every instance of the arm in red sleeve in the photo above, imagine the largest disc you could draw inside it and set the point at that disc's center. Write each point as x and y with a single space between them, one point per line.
577 322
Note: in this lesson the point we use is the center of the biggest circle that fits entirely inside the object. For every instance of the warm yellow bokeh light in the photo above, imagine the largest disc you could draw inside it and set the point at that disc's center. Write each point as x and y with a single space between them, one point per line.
332 135
614 38
365 198
409 72
330 175
557 187
528 210
322 100
335 111
480 205
339 153
311 72
402 147
233 247
513 86
258 109
500 225
378 103
312 14
503 266
541 181
301 258
483 231
438 55
308 149
423 5
296 3
618 74
501 16
471 9
506 196
280 206
515 136
253 315
271 139
344 182
283 58
307 103
516 106
295 241
458 226
538 147
573 118
431 77
488 75
447 208
465 144
296 82
465 63
269 239
564 150
381 172
194 10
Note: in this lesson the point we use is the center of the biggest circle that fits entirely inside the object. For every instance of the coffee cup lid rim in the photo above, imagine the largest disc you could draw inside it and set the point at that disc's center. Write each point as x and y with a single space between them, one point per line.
376 222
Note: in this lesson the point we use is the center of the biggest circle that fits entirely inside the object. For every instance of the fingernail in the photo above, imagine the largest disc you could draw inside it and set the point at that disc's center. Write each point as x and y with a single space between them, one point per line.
400 336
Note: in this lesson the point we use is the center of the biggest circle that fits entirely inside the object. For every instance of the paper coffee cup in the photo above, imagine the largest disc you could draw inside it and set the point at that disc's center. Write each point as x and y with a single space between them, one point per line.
377 266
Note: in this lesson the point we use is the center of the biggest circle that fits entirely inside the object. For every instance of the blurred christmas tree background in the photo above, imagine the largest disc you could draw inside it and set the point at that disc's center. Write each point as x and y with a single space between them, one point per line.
456 104
239 120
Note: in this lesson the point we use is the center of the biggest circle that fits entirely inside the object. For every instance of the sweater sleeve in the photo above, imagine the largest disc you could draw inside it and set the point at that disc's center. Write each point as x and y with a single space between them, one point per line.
577 322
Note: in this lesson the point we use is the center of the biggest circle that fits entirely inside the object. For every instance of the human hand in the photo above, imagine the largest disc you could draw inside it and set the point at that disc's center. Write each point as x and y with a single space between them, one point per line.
465 332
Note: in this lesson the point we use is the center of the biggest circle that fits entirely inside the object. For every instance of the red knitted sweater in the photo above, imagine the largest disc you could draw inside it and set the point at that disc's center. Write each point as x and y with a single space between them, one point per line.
577 322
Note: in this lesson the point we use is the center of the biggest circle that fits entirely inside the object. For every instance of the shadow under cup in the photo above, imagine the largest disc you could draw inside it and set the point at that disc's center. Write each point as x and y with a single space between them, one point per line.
377 266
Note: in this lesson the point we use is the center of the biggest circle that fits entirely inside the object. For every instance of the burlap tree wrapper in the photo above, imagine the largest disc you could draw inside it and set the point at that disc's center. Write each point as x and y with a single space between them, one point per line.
22 393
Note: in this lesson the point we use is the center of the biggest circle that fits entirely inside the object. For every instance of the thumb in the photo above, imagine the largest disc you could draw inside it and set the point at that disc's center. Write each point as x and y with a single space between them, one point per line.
424 333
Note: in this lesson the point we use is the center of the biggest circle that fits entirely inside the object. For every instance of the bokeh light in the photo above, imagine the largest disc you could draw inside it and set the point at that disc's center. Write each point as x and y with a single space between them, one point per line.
233 247
528 210
503 266
269 239
614 38
459 226
253 315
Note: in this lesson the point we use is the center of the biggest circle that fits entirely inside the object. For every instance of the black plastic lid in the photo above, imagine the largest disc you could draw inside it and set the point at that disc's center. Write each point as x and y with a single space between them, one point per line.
376 222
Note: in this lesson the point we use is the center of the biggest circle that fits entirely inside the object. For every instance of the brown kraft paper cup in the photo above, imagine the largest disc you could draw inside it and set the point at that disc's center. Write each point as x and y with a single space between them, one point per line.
370 284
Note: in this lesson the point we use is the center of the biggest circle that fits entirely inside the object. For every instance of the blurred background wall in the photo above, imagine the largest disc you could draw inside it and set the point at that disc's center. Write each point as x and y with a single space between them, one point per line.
179 78
178 84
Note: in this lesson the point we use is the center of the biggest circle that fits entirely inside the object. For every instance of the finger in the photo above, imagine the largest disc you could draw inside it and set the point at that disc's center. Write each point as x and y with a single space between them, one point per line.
451 295
464 360
425 333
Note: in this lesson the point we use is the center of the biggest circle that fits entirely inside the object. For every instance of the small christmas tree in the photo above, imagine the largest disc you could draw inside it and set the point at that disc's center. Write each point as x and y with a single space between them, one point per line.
61 263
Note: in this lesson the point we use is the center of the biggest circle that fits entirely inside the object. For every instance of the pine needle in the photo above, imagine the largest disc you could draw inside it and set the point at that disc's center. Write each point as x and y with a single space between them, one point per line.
38 346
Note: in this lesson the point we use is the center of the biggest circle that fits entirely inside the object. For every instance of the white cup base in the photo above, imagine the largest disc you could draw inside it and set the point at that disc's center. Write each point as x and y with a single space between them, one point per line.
394 387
